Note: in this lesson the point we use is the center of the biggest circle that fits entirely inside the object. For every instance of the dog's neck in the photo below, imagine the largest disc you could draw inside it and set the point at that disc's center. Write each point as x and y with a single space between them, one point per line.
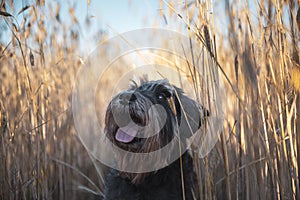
164 174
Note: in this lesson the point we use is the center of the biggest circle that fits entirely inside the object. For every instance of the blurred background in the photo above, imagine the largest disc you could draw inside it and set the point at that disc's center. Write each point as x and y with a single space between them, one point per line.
252 45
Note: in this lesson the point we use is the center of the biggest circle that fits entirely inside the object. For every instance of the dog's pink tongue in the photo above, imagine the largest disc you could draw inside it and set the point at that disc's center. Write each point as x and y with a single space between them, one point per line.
126 134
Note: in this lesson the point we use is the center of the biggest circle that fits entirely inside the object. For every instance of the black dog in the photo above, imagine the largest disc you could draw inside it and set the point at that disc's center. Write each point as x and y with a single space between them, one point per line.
128 115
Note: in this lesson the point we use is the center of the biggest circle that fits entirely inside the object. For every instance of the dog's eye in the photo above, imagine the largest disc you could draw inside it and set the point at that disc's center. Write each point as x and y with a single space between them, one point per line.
162 96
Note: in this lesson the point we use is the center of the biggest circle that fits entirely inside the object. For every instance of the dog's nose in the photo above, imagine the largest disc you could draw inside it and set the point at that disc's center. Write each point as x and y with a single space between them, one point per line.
126 97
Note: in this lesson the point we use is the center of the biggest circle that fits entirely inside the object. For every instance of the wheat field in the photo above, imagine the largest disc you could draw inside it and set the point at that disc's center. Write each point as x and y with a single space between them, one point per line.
254 44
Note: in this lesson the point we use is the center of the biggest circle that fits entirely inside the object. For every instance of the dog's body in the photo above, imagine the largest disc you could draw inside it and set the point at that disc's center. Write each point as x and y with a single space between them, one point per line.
164 184
183 117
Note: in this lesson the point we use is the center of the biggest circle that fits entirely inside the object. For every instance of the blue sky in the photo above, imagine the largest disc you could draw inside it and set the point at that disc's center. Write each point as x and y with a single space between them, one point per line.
125 15
112 16
116 17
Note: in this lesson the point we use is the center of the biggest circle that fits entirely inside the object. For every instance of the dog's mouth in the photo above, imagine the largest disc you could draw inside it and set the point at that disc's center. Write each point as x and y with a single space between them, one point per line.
127 133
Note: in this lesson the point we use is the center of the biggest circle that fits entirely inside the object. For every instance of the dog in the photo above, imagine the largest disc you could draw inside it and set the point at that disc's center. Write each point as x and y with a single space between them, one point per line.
178 117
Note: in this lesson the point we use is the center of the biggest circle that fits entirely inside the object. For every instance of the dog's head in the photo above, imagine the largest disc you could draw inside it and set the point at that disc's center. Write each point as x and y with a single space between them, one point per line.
148 116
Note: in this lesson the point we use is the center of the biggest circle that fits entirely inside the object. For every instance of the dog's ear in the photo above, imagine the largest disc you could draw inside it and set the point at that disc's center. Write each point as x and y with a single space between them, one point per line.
190 114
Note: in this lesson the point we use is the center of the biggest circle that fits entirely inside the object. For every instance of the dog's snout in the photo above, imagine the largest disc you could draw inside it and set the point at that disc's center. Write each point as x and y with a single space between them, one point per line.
126 97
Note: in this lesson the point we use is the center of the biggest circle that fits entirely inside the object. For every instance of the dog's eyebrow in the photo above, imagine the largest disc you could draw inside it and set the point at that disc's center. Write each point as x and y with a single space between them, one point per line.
162 88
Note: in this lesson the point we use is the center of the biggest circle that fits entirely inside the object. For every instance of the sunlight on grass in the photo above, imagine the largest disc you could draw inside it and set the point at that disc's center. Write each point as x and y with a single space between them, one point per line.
255 51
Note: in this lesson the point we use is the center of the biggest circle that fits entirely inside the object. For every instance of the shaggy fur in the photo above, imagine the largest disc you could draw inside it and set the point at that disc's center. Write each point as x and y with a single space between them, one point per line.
184 117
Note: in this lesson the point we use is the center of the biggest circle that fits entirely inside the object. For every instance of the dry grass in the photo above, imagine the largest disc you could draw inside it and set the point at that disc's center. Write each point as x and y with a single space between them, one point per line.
257 156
